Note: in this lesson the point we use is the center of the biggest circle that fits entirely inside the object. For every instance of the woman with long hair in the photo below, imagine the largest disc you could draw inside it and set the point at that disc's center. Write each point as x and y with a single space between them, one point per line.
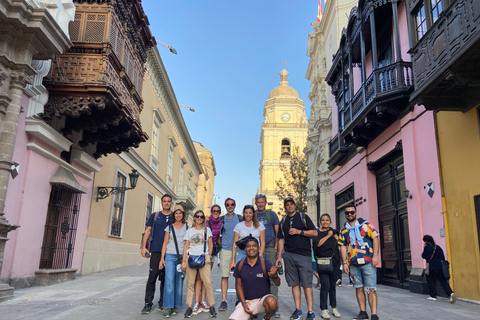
434 256
215 224
249 225
198 241
172 256
325 246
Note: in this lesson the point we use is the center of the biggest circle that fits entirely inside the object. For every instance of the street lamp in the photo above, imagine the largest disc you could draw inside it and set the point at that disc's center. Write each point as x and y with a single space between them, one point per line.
102 192
185 106
172 49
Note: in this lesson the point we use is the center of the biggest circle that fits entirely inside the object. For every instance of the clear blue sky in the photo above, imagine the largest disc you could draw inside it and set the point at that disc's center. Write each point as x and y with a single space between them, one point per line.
229 57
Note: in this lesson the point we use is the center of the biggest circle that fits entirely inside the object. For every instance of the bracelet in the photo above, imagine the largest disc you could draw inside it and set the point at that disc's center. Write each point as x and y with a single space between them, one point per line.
276 277
244 302
344 263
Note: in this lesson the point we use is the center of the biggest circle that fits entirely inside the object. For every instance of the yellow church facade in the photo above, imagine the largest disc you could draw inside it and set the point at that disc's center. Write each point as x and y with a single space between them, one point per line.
285 128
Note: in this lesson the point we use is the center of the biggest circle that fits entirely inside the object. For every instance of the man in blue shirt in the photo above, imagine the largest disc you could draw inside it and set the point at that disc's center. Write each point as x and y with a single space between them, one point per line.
270 220
253 275
229 220
156 225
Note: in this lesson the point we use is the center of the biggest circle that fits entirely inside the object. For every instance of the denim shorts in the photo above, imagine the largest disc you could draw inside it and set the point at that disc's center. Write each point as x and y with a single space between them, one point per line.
314 266
364 277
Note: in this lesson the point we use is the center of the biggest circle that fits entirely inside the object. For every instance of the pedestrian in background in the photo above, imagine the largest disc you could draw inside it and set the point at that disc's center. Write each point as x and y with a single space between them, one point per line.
172 251
229 221
270 221
155 226
434 256
249 226
198 241
360 239
325 245
295 231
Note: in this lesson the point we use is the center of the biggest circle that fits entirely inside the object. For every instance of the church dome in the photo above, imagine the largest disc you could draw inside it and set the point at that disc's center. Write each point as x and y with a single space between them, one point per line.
283 90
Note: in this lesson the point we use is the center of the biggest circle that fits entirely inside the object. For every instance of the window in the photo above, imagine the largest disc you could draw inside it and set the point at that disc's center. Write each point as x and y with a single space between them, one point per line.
155 140
149 206
155 136
426 14
286 147
118 206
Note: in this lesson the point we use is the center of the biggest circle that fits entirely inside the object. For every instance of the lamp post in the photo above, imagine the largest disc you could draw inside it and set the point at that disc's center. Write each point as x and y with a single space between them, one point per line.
185 106
102 192
172 49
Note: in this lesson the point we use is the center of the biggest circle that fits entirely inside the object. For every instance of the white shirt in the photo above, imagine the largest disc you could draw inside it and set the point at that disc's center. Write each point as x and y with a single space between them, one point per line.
196 238
244 231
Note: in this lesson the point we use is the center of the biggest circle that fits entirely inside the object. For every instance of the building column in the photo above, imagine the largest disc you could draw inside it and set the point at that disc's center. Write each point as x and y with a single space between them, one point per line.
373 35
397 31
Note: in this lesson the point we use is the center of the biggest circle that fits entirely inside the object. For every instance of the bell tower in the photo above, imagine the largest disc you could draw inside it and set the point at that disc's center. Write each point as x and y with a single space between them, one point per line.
285 127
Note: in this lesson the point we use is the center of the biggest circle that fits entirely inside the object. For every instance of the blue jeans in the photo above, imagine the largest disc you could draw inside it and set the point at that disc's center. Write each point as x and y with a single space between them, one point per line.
172 294
364 277
240 255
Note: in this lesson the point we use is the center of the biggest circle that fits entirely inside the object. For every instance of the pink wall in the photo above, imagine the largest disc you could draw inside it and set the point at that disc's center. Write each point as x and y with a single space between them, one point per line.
26 205
421 167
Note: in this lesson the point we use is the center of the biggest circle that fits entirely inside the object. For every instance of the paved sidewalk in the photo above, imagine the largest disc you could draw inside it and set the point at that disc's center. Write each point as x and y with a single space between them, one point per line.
118 294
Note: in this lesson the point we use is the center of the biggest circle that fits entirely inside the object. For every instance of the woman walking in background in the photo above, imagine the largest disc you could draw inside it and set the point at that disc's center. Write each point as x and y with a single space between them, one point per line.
325 246
172 256
434 271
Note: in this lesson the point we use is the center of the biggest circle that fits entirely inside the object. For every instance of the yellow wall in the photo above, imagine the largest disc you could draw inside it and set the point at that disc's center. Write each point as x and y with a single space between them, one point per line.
459 148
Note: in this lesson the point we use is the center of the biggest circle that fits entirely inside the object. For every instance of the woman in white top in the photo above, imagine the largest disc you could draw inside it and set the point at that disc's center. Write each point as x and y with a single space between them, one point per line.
249 225
170 259
198 241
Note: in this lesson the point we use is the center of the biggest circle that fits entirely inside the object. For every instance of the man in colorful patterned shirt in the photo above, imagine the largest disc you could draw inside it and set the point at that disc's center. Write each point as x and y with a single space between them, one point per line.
360 238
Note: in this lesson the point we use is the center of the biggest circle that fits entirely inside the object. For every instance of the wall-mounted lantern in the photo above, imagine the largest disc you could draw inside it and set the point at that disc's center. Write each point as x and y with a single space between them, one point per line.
102 192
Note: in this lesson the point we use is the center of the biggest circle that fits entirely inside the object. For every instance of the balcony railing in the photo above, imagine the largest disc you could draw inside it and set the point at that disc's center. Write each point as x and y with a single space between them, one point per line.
338 150
383 84
185 195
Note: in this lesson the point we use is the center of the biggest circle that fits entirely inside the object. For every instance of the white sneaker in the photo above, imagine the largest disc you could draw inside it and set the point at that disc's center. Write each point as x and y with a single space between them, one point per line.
335 313
196 309
432 298
453 298
324 314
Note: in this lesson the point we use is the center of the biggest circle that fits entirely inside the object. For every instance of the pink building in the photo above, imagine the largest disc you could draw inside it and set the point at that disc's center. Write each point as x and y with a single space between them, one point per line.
383 156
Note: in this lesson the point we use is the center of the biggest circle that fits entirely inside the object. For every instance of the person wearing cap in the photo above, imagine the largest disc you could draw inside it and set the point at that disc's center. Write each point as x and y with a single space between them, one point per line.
253 275
155 226
172 256
295 231
270 221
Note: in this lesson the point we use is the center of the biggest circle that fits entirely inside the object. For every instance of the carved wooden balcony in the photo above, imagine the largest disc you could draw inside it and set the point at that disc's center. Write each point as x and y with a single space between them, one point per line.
381 100
96 85
446 59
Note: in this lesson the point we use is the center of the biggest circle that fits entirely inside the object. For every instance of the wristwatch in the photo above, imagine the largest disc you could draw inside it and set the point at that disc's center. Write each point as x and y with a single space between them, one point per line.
301 233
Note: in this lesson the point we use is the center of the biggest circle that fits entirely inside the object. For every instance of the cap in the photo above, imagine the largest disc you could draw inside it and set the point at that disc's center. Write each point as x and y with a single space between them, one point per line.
288 200
253 239
178 207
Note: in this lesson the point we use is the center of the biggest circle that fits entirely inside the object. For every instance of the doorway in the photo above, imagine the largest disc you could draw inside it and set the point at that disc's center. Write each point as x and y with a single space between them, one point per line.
393 223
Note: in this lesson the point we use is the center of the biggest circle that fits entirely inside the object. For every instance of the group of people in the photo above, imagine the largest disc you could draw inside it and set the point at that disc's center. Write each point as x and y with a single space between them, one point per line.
252 247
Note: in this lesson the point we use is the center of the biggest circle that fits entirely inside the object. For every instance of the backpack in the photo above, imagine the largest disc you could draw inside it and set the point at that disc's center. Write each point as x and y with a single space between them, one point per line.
262 263
302 216
150 237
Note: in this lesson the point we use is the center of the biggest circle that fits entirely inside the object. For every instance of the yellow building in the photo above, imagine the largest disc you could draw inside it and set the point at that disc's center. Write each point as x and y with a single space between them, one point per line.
167 163
206 182
285 127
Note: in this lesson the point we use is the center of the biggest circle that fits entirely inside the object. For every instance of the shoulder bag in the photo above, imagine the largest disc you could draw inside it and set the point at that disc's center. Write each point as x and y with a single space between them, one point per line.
427 265
216 246
150 237
197 262
324 264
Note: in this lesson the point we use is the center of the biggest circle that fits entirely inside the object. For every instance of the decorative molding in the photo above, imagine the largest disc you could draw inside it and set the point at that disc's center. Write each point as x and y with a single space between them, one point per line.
47 134
65 177
85 160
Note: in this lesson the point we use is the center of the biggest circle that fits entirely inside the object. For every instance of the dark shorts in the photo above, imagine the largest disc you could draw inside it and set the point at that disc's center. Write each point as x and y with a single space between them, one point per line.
298 270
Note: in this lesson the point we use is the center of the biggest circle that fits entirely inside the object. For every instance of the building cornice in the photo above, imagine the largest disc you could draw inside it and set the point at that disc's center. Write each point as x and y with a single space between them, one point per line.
163 89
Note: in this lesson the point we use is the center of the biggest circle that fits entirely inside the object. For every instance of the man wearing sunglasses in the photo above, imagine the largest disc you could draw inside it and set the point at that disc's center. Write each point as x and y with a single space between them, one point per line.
270 220
229 220
360 238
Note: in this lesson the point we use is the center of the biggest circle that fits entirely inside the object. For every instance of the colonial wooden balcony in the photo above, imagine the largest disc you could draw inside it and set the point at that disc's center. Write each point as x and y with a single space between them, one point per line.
95 87
185 196
446 59
380 101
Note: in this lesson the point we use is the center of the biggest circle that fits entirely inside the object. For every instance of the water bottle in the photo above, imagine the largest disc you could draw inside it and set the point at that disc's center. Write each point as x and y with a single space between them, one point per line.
280 267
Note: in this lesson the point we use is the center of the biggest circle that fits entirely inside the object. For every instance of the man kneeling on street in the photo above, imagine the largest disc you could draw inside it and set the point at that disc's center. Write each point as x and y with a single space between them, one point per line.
252 283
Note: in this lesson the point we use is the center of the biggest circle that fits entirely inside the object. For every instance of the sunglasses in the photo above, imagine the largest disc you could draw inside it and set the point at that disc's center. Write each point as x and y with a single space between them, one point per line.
215 211
201 217
230 204
249 206
260 196
349 213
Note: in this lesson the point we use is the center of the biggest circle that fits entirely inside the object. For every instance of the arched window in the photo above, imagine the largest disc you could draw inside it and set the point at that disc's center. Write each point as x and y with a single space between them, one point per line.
286 147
